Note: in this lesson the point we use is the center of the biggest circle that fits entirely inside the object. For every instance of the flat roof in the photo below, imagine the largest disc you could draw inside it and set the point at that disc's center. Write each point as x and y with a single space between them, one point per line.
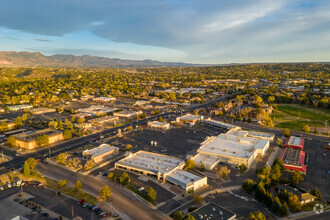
221 124
151 162
294 141
103 119
33 135
41 109
96 108
232 145
191 117
212 211
104 98
182 178
205 159
158 123
102 149
293 157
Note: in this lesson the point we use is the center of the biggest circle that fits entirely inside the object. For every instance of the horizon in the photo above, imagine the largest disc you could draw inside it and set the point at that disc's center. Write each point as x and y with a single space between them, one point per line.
212 33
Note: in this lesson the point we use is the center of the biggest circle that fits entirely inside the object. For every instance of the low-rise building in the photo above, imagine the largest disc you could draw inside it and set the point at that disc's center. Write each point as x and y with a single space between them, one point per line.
212 211
39 111
104 99
302 194
159 125
293 160
103 120
10 124
19 107
96 110
221 124
295 142
141 102
165 168
127 114
86 97
190 119
100 153
28 140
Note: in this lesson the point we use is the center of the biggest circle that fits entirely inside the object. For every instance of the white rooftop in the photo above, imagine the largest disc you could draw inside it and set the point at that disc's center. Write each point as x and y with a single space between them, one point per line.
182 178
190 117
151 162
207 160
103 148
232 145
294 141
158 123
222 124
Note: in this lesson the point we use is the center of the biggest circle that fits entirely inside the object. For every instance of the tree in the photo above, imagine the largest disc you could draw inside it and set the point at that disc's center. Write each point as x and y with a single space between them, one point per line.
11 141
62 183
105 193
276 172
67 134
257 215
177 215
294 203
189 217
286 132
198 199
32 163
89 164
190 164
278 162
160 119
129 128
3 126
224 171
151 194
284 210
296 177
27 170
124 178
112 176
248 185
316 193
81 120
25 117
78 185
61 158
279 142
242 168
60 124
128 147
276 206
42 140
305 128
18 122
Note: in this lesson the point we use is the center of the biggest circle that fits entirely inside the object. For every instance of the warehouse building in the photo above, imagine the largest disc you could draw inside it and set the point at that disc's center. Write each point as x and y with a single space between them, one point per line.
39 111
96 110
293 160
100 153
235 147
295 142
19 107
104 99
158 125
190 119
212 211
86 97
10 124
302 194
28 140
127 114
165 168
221 124
103 120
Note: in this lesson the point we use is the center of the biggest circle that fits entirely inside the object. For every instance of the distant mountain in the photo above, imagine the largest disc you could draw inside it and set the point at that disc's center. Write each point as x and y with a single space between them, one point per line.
36 59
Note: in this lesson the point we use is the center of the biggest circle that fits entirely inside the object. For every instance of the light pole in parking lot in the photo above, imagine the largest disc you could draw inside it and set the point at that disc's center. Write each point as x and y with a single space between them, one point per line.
49 152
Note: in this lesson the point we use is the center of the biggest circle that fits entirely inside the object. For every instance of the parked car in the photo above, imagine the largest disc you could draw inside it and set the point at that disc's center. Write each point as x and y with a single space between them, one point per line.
45 214
8 185
13 184
19 182
1 188
115 215
40 185
36 185
104 215
85 205
80 202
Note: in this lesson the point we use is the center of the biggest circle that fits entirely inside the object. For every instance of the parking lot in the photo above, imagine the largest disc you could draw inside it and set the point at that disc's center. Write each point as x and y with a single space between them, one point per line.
58 205
318 167
175 141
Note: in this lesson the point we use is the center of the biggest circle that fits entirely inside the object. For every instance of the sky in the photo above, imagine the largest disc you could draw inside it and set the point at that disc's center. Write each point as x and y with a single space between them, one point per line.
192 31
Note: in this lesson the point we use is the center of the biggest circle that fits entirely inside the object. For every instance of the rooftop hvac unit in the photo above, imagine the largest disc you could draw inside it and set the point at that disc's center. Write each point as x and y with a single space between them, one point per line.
213 209
220 213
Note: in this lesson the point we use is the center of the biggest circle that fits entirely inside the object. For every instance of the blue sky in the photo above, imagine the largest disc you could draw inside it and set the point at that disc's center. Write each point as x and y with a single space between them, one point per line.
195 31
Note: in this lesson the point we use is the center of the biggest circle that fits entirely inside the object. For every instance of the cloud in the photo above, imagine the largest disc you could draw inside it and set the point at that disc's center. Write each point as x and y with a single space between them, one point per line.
42 40
213 30
8 38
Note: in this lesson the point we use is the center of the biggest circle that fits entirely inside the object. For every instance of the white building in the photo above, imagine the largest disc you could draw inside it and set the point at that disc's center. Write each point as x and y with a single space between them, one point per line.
19 107
104 99
164 167
96 110
190 119
221 124
235 147
100 153
159 125
127 114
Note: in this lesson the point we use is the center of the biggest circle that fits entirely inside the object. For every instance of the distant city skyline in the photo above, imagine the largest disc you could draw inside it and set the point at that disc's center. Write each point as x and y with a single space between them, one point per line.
201 32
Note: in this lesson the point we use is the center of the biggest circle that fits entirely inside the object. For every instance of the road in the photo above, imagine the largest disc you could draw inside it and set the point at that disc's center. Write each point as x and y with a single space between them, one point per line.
121 199
18 161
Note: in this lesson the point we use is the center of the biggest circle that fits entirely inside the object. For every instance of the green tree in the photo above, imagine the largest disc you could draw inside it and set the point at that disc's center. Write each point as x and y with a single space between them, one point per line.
89 165
3 126
189 217
316 193
224 171
62 183
190 164
284 210
248 185
32 163
286 132
294 203
105 193
279 142
11 141
128 147
276 206
112 176
160 119
25 117
27 170
67 134
60 124
278 162
296 177
198 199
276 172
129 128
242 168
42 140
61 158
18 122
305 128
151 194
177 215
124 178
257 215
78 185
81 120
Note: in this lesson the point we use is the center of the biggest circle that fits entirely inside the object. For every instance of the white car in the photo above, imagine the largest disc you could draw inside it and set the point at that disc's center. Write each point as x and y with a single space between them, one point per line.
19 182
9 185
1 188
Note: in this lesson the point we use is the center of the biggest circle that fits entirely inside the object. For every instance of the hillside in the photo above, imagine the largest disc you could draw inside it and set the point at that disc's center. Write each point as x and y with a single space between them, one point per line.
28 59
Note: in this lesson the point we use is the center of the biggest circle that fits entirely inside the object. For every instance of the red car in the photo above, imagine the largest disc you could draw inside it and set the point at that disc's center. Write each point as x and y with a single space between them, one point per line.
36 185
104 215
80 202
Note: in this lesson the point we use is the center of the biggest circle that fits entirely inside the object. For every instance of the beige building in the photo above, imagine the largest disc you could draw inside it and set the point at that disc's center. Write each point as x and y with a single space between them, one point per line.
104 99
190 119
159 125
127 114
28 140
103 152
39 111
165 168
10 124
103 120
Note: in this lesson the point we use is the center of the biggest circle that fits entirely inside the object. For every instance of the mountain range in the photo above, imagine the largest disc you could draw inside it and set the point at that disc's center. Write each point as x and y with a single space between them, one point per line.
36 59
